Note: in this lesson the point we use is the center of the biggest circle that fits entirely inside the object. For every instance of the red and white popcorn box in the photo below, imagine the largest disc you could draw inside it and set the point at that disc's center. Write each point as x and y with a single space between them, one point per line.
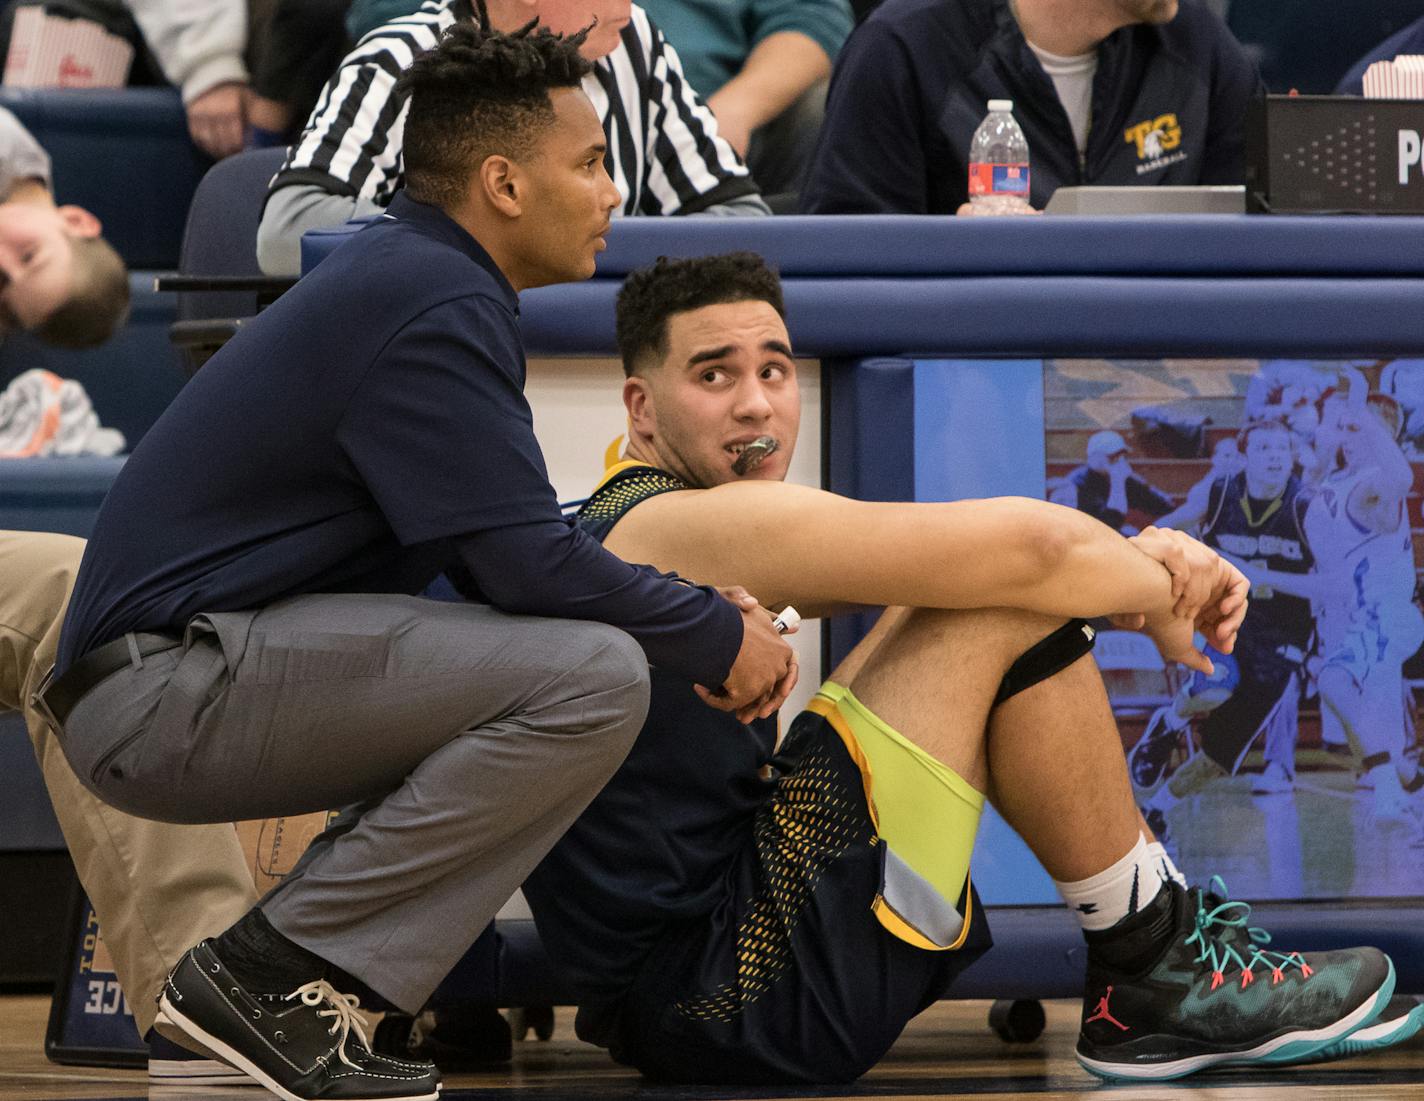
49 51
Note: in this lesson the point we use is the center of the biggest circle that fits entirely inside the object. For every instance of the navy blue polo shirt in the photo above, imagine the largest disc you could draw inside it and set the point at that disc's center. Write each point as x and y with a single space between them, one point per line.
363 434
913 83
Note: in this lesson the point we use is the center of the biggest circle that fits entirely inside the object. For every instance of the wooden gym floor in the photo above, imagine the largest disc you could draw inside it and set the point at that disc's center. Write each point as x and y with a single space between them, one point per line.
947 1052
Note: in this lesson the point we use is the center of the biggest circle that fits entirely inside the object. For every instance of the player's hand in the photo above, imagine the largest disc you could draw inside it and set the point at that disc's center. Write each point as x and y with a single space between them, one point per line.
738 595
217 119
1224 613
1210 593
765 671
1175 639
1192 566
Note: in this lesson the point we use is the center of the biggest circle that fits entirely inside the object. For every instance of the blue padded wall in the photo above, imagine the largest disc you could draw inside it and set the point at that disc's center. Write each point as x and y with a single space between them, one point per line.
123 154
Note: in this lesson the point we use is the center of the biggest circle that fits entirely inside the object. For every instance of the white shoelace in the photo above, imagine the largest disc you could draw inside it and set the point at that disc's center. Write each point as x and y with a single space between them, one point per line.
342 1007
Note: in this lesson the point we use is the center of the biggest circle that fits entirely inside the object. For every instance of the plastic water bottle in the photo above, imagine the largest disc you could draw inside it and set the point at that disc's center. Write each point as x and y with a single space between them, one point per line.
998 162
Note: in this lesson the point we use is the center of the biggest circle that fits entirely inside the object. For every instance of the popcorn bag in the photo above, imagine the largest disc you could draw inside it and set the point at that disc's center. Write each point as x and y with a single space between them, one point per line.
51 51
1402 78
274 845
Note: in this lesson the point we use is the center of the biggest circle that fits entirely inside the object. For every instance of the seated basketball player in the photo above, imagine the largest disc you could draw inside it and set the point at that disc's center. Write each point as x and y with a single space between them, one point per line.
736 911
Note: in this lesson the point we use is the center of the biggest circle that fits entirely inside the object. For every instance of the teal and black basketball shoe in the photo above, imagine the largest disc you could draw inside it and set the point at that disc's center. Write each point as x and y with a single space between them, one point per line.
1400 1020
1203 993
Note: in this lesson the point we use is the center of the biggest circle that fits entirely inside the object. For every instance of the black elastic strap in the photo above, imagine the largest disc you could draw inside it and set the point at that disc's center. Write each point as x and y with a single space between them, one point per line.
1374 760
1042 660
1416 783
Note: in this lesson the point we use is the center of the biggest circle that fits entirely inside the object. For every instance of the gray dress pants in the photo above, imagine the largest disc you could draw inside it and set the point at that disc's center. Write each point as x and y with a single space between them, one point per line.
473 738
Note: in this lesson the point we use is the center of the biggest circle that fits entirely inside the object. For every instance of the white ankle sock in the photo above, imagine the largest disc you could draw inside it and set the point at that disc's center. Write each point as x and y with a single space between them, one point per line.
1164 865
1102 900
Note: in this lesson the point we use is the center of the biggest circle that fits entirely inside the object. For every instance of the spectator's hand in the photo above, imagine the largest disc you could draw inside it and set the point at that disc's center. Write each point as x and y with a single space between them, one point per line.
268 114
1004 210
765 670
733 123
217 119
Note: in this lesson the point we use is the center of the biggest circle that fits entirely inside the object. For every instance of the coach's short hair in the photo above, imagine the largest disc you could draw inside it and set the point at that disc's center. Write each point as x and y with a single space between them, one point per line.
481 93
653 294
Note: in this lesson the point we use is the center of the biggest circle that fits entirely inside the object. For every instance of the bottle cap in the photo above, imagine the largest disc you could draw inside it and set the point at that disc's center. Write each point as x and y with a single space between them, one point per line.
1001 105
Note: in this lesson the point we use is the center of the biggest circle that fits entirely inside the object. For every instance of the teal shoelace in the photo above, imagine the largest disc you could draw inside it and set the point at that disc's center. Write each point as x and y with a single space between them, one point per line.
1216 952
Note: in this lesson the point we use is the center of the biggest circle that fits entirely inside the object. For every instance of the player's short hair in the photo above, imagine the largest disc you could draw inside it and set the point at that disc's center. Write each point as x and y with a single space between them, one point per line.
1273 424
98 301
481 93
653 294
1389 411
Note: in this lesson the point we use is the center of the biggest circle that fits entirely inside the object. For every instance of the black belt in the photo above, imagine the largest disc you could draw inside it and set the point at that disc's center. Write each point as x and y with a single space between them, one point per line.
55 698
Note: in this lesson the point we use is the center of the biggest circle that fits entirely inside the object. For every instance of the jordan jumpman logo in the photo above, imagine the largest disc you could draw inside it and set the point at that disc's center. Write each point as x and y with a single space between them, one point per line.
1102 1013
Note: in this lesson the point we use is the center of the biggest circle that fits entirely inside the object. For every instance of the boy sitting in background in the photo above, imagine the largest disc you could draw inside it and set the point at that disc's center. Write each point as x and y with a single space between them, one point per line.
58 278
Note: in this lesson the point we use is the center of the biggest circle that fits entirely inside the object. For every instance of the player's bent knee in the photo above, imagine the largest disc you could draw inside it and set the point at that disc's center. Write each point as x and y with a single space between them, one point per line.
1047 658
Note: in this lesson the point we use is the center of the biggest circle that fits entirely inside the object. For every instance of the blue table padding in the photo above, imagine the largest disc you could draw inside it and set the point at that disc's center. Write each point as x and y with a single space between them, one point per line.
1182 285
1159 245
1051 315
123 154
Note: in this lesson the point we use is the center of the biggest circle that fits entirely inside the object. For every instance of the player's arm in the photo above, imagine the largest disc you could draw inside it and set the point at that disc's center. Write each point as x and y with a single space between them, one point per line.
1311 586
795 545
1388 475
1192 511
1144 496
346 162
1065 494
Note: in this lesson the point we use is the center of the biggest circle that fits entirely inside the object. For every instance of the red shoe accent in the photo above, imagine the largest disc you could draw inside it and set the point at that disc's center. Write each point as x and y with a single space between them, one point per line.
1276 976
1247 979
1216 979
1103 1014
1305 969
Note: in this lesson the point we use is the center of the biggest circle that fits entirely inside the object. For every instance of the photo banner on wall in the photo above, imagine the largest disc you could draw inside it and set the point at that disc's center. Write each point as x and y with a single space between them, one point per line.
1292 771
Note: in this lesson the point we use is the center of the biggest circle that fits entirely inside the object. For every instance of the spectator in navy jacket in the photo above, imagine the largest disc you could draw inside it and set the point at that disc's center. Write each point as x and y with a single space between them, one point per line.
1106 91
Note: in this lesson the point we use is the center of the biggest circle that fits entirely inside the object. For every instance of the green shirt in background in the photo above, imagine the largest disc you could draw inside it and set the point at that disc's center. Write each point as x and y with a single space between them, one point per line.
367 15
714 37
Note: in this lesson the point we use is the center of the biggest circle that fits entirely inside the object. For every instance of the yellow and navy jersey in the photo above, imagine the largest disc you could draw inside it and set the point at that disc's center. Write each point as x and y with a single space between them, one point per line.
653 848
1269 534
624 485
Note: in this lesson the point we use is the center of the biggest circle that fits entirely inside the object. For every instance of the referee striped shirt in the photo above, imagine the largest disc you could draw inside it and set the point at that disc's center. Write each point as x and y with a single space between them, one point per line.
664 152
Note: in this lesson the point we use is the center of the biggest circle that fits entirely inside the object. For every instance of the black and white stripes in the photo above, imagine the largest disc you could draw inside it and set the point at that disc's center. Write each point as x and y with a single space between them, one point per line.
663 150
